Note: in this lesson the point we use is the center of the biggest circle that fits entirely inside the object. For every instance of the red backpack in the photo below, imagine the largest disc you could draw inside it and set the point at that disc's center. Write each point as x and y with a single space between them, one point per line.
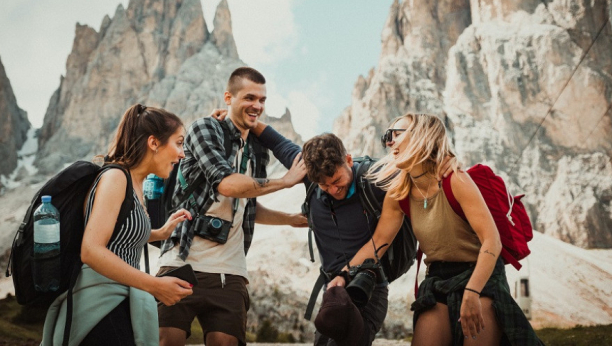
508 213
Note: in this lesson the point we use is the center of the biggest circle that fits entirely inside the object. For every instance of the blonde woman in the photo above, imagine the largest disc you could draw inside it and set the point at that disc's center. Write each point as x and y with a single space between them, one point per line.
465 297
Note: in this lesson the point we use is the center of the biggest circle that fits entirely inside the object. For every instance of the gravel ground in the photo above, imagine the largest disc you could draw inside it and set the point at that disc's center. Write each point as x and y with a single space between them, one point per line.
378 342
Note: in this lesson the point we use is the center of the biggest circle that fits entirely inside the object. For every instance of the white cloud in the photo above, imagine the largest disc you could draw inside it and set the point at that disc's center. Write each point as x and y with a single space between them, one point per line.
304 114
265 31
276 102
303 103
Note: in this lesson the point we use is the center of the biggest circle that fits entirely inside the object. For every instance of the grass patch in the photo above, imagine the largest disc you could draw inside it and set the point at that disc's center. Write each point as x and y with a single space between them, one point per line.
577 336
19 326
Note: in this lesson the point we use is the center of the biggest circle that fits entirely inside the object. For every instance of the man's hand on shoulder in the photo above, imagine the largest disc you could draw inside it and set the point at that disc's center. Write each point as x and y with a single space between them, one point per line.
296 173
219 114
447 167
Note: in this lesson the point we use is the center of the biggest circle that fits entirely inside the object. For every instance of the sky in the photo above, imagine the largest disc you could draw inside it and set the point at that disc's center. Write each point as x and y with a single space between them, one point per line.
311 51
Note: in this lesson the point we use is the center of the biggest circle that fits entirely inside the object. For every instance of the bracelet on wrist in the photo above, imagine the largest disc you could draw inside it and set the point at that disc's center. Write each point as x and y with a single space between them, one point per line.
471 290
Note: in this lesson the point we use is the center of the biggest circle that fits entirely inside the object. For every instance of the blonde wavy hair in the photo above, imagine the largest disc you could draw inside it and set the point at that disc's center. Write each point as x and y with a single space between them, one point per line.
426 143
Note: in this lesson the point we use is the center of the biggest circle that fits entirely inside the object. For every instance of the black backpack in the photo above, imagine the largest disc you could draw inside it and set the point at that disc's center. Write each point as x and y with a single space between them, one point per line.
68 189
402 251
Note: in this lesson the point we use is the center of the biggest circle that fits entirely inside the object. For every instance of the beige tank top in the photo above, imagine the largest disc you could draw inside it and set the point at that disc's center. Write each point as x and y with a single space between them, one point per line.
442 234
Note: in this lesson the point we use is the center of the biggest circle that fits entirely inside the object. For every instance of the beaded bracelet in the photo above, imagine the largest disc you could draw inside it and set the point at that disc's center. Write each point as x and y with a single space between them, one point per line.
471 290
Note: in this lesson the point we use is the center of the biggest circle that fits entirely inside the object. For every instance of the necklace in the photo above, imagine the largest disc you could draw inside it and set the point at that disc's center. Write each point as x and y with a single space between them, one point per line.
421 192
418 176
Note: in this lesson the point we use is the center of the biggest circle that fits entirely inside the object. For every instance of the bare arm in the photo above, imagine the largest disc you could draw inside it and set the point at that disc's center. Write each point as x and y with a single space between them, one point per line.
98 231
241 186
389 224
166 230
479 217
267 216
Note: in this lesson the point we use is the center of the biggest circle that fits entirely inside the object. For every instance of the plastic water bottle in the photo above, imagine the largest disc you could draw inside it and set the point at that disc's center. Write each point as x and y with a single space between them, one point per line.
46 246
153 188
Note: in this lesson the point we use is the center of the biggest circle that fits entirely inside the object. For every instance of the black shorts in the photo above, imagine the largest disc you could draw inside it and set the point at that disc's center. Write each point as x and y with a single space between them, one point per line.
114 329
218 309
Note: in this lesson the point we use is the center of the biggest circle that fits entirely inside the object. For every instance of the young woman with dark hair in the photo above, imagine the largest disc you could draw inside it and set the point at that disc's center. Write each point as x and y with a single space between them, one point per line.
113 299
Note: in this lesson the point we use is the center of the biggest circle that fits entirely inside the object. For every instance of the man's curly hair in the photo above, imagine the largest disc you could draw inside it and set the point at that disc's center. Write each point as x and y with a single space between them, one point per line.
322 155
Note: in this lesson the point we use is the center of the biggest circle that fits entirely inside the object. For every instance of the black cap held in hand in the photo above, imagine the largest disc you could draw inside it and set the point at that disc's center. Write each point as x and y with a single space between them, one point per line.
339 318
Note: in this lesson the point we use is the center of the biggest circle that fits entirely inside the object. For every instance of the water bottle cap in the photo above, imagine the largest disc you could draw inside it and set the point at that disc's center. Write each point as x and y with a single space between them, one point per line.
153 177
45 199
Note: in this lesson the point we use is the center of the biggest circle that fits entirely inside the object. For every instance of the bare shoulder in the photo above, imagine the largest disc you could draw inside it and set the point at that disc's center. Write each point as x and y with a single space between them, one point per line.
462 184
112 185
114 176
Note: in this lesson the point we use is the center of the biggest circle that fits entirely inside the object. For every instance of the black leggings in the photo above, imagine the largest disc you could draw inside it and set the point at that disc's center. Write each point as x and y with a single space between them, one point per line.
114 329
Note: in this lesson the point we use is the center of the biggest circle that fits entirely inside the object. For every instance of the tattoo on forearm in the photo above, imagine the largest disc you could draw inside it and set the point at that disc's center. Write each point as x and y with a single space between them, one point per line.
261 183
490 253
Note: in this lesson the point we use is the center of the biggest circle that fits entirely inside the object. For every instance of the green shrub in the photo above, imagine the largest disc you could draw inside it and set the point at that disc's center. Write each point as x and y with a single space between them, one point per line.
286 338
267 332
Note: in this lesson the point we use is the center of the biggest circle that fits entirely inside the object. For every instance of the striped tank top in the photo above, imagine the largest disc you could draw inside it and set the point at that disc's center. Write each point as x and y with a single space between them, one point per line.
129 241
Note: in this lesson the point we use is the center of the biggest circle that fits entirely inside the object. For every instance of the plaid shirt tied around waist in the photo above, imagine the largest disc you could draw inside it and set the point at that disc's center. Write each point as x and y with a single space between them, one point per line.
446 280
205 154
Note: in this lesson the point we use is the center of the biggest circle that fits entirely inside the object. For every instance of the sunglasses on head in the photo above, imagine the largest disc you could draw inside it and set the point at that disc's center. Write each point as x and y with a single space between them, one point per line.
388 136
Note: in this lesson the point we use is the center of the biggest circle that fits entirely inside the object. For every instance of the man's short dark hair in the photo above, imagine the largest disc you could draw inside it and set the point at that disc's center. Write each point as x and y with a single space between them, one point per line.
322 155
235 79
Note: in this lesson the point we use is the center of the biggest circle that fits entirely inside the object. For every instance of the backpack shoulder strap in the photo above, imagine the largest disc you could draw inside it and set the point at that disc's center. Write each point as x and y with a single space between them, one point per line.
260 155
124 213
448 191
128 201
313 295
364 187
306 211
227 139
405 206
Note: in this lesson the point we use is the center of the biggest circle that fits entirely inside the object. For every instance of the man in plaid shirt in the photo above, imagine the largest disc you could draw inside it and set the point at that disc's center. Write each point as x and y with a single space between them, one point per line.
225 200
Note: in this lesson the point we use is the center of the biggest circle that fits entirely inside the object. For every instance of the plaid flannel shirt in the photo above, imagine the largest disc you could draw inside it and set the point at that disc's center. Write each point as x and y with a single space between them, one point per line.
205 154
516 329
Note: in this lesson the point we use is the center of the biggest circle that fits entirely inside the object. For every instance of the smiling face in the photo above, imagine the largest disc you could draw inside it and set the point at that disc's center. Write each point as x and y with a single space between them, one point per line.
401 124
246 105
169 154
338 185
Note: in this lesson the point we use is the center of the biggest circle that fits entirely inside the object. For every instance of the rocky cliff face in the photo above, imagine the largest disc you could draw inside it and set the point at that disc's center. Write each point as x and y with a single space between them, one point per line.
524 86
14 125
156 52
411 72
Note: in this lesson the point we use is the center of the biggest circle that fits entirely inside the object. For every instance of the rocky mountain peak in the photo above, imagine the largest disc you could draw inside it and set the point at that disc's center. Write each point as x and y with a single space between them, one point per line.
524 86
391 37
222 35
283 125
489 10
140 49
14 125
411 72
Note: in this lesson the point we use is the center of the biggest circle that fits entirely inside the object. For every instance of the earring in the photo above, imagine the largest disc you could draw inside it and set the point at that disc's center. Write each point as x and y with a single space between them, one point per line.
156 150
